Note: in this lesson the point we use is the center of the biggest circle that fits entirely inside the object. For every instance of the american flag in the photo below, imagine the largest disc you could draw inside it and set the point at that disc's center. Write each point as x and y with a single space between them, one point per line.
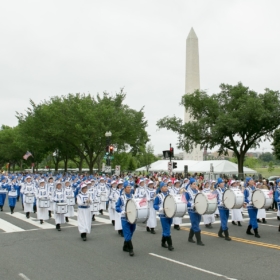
27 155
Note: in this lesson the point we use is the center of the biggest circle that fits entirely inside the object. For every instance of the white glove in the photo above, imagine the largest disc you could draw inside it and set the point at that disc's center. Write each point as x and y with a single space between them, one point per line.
160 209
250 203
221 204
123 212
192 205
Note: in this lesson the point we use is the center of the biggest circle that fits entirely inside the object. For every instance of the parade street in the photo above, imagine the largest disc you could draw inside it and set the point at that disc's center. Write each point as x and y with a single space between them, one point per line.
39 252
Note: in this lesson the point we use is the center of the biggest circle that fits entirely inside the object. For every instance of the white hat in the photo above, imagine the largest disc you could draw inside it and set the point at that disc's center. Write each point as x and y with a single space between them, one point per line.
41 181
232 182
28 177
119 182
150 182
83 186
113 182
176 181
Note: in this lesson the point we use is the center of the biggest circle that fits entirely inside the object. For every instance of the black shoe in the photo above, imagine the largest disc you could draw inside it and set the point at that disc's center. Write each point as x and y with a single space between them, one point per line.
11 209
66 219
153 231
41 221
125 247
1 207
264 221
210 225
85 237
148 229
220 233
279 228
121 233
217 215
101 212
169 242
163 240
130 248
113 222
227 235
278 218
177 227
93 218
58 227
198 238
249 230
259 221
34 209
207 226
256 233
234 223
50 214
191 234
239 224
27 215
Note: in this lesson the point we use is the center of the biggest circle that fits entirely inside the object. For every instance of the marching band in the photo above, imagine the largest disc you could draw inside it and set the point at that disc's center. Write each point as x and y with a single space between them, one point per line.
128 205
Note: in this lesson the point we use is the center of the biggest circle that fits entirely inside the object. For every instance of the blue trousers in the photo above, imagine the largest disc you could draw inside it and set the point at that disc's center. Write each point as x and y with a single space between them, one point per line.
2 198
195 220
224 214
12 201
166 226
128 229
253 212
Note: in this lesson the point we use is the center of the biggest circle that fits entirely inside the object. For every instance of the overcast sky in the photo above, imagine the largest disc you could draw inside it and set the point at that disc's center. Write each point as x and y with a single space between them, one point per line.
58 47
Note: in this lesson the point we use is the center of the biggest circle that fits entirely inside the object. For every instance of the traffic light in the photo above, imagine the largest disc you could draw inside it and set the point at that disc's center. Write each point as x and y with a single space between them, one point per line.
174 165
166 154
111 150
171 152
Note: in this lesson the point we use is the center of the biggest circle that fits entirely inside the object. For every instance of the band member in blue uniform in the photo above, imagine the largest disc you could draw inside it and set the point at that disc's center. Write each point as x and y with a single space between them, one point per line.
165 221
252 211
224 212
3 191
128 229
277 199
194 217
12 194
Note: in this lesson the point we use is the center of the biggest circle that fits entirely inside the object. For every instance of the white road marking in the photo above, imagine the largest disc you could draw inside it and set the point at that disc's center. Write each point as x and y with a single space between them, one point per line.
193 267
23 276
8 227
31 220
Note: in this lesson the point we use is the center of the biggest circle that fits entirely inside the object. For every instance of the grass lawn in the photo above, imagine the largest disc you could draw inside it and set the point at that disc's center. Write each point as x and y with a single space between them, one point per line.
265 173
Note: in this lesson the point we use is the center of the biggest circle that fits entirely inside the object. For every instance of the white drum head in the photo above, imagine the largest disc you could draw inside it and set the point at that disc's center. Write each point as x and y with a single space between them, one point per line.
258 199
131 213
229 199
169 206
200 201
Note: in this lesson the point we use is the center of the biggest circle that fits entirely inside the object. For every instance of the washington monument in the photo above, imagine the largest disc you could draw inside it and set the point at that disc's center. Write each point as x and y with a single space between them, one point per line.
192 83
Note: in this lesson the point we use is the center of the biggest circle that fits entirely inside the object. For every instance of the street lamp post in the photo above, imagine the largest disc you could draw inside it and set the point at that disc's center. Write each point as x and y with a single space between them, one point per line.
108 135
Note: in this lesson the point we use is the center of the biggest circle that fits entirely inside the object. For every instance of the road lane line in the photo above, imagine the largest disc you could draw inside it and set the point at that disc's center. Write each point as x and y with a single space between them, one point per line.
8 227
23 276
193 267
31 221
246 241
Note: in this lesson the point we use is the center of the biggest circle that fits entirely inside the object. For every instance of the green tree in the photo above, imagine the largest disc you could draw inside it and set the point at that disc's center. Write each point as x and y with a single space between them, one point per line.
75 125
234 119
270 166
267 157
276 143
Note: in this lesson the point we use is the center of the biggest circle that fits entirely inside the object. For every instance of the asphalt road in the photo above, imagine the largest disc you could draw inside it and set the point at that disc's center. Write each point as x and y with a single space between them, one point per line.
45 254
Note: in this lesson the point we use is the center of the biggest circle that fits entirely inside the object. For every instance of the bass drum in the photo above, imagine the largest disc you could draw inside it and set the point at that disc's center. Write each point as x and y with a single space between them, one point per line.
262 199
174 206
233 199
205 203
137 210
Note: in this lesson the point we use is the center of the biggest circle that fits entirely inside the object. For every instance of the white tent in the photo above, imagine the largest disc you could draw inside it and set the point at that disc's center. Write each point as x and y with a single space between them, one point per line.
219 166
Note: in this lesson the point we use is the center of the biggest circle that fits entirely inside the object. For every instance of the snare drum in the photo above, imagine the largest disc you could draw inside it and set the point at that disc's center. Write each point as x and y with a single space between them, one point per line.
174 206
262 199
113 205
103 197
44 203
70 201
233 199
29 198
136 210
94 207
205 203
61 208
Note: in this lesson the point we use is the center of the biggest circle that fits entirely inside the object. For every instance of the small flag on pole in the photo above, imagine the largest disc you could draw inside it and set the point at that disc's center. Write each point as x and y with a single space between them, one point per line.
27 155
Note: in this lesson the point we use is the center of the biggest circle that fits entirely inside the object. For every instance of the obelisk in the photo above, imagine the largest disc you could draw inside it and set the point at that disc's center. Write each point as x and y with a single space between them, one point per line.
192 81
